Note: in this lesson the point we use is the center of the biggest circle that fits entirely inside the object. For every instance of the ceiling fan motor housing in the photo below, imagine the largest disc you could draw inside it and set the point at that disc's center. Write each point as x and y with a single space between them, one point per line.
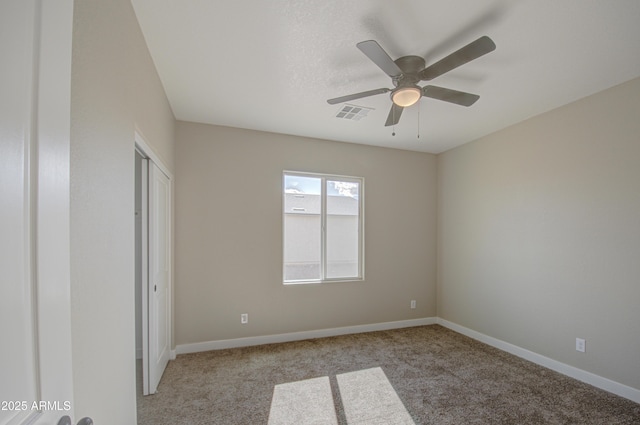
411 67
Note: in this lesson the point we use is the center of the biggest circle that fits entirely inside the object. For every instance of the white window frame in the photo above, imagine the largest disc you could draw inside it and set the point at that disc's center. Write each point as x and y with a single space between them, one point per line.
323 234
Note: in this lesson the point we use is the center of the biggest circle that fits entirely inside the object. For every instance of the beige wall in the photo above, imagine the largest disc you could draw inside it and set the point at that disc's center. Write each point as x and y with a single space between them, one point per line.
115 89
539 234
229 235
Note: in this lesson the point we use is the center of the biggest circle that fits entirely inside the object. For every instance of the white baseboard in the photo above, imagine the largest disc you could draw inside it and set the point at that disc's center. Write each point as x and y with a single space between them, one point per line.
299 336
172 354
573 372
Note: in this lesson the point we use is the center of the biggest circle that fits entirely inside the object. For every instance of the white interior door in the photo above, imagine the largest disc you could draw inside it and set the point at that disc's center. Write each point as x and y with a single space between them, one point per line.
35 315
159 316
143 257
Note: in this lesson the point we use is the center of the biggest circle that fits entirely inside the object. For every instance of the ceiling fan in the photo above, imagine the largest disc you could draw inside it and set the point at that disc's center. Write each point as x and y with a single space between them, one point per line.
407 71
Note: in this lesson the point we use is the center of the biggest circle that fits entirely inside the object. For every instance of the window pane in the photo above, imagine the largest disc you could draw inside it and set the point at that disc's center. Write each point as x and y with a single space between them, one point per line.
302 228
301 185
343 227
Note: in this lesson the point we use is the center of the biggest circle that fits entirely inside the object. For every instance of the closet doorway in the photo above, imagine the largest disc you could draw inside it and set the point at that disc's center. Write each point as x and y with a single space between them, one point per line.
153 248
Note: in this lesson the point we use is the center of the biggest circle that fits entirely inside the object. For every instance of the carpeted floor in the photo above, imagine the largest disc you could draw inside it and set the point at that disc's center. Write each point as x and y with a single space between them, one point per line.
440 376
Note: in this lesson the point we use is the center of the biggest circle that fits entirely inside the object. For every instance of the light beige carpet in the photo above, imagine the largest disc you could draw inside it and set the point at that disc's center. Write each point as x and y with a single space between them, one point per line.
439 376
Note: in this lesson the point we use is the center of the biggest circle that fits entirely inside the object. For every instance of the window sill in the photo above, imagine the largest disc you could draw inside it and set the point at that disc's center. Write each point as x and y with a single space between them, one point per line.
321 282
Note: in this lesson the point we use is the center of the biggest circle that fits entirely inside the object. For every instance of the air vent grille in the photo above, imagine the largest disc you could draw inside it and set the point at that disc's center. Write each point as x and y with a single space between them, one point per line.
353 112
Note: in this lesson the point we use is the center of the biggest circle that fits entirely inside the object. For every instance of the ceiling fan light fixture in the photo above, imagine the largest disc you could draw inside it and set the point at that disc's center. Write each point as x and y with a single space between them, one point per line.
406 96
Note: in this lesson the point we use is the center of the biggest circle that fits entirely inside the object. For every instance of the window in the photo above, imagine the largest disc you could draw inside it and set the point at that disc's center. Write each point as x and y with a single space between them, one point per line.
322 220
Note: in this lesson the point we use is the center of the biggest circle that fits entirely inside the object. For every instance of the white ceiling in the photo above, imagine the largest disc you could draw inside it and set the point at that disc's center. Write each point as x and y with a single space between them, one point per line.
271 64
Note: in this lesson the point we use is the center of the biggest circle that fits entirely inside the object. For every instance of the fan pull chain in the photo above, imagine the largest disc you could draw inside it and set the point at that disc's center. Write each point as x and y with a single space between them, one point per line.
419 107
393 117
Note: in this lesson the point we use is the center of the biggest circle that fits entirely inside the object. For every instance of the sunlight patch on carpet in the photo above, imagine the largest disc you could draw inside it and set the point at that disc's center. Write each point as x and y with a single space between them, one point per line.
303 403
368 398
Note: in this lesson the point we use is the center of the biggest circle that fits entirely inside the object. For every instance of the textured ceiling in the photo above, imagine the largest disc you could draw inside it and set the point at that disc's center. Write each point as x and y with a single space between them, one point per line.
271 65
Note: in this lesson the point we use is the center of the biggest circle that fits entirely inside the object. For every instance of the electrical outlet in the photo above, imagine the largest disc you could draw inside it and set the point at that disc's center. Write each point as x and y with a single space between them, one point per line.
244 318
580 345
413 303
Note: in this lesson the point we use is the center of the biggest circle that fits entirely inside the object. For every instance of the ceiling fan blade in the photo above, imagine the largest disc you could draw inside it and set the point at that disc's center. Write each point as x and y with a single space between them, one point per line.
448 95
357 96
471 51
377 54
394 115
